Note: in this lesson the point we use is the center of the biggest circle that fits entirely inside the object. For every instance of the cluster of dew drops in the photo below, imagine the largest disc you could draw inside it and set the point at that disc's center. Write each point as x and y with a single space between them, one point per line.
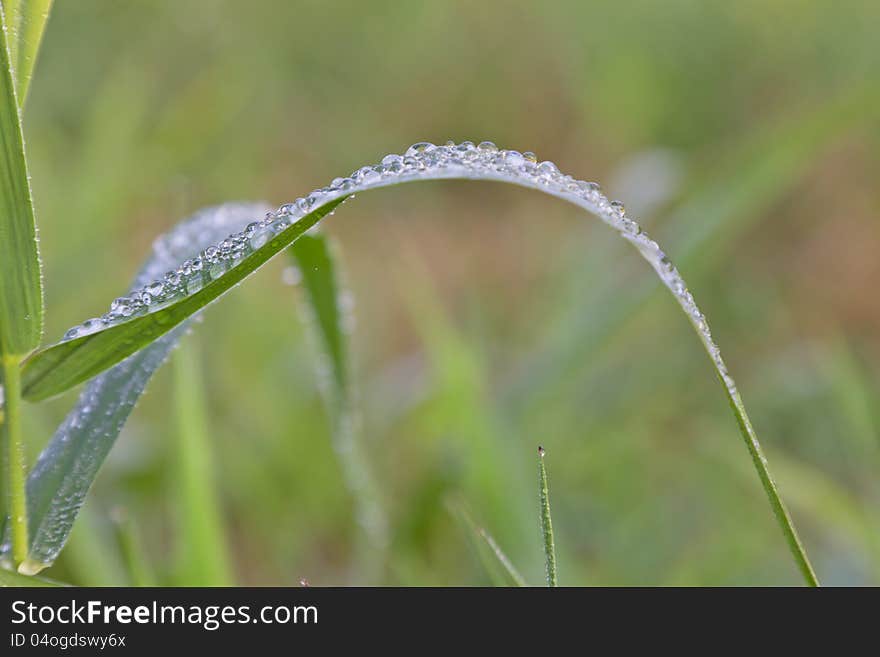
420 161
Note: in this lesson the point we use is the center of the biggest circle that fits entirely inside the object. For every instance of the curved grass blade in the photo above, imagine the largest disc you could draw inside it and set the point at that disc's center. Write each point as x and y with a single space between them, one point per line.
57 368
52 371
314 258
21 294
720 205
203 559
66 468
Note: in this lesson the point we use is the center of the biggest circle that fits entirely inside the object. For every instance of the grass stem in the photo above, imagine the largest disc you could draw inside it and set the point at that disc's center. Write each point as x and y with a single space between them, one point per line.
546 521
15 475
776 503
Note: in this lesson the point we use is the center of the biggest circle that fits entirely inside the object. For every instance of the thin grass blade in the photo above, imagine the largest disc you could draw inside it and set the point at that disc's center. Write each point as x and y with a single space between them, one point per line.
203 559
21 295
485 539
314 257
546 522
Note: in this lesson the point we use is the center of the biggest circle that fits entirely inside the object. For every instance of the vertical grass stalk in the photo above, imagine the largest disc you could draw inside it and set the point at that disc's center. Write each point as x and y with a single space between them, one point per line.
204 558
15 475
546 521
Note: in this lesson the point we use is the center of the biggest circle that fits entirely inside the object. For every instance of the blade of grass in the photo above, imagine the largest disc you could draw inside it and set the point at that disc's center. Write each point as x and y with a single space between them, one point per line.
136 565
315 259
81 358
546 521
723 202
12 12
53 370
203 559
33 15
67 466
776 503
14 462
21 296
480 534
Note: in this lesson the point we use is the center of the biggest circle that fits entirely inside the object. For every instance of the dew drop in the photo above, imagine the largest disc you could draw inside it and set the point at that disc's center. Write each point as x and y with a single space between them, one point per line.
419 148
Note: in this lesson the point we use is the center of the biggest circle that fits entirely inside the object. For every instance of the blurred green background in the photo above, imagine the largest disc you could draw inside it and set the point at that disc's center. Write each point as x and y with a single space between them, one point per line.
490 319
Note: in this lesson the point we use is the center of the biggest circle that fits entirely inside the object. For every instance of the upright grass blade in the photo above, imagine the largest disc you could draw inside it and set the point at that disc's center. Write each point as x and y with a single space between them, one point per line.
314 257
202 554
21 296
14 462
57 368
66 468
546 521
52 371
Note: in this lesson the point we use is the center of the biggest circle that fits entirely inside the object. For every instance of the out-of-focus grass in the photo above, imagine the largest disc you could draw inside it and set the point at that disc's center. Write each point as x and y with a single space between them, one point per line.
203 558
507 316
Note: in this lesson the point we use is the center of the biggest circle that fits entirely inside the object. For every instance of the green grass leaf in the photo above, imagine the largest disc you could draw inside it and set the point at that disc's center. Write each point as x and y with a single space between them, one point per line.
64 472
26 20
203 559
53 370
546 522
21 296
314 257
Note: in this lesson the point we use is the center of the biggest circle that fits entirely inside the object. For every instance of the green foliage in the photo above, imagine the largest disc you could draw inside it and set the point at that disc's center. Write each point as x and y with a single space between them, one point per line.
546 522
26 20
768 166
202 545
55 369
313 257
21 295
